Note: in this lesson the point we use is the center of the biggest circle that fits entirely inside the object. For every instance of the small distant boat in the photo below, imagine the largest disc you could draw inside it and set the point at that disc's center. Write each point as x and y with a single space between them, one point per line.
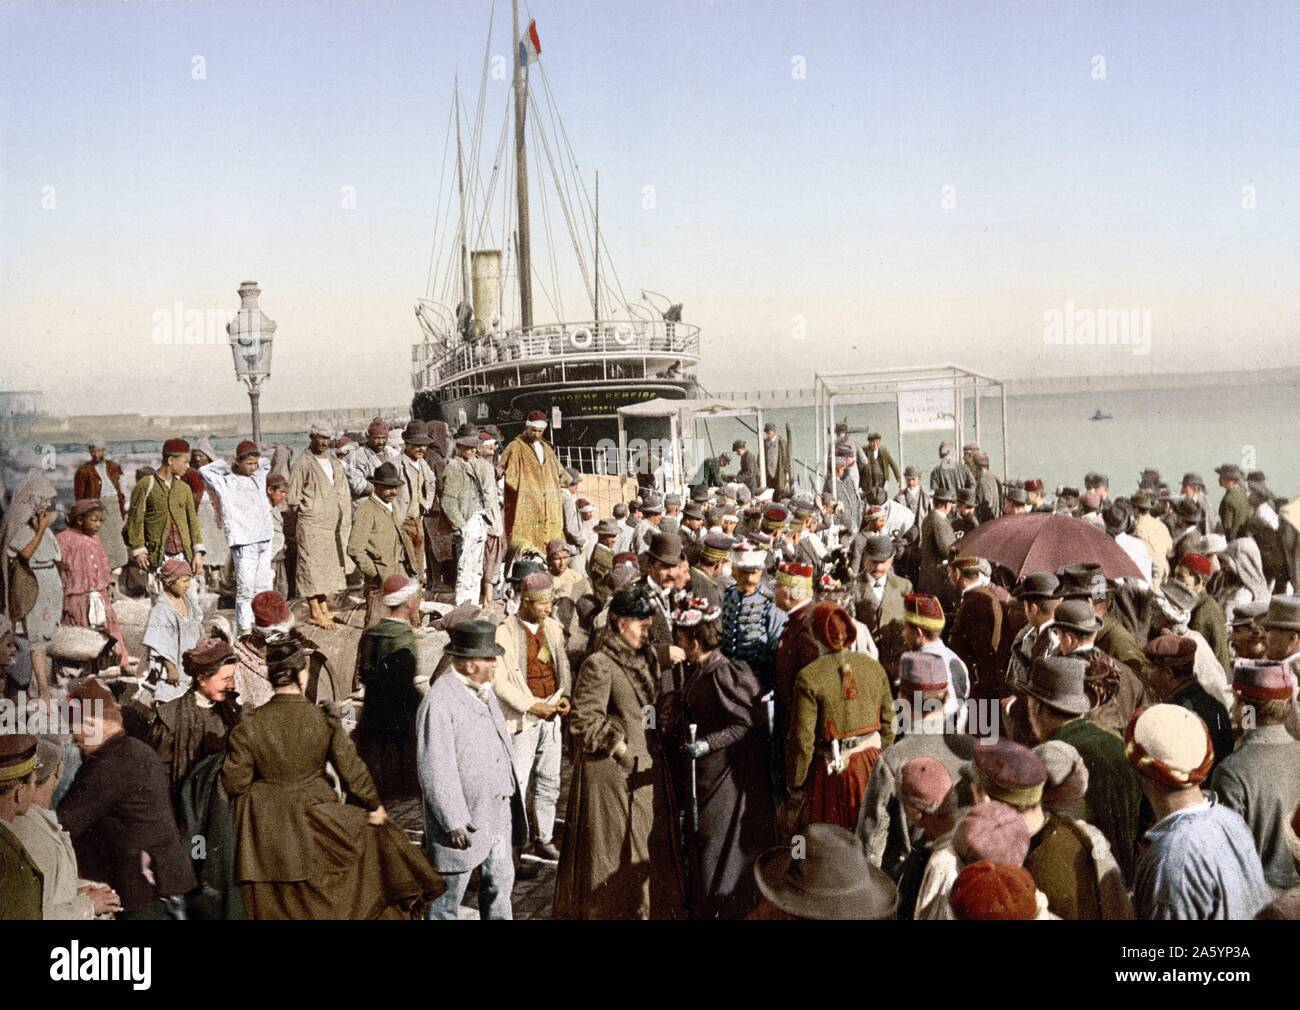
1099 416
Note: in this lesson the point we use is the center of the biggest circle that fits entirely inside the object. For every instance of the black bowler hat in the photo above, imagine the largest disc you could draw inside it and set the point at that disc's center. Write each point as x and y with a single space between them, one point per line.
474 640
1038 586
385 475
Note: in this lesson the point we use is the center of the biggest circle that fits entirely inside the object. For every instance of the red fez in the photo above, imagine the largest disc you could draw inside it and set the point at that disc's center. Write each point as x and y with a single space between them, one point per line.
377 426
994 891
175 447
1261 679
536 415
1173 651
246 448
270 608
584 505
1197 563
277 480
398 588
557 546
923 611
1033 484
775 517
795 574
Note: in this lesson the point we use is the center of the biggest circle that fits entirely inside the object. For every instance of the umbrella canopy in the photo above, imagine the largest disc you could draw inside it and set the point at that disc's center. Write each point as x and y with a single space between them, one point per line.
1043 542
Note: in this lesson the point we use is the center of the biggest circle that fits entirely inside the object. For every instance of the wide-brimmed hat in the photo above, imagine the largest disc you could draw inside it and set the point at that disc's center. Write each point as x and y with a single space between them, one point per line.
474 639
1283 612
1076 614
523 567
1082 580
416 433
467 436
879 547
666 548
942 494
606 528
386 475
1230 471
1057 681
833 880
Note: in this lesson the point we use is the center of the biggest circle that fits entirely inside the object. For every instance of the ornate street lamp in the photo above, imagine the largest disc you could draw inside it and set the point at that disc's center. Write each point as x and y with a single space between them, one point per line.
251 333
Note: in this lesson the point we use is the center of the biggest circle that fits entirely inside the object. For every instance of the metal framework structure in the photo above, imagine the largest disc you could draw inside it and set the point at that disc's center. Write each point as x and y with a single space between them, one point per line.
860 387
681 416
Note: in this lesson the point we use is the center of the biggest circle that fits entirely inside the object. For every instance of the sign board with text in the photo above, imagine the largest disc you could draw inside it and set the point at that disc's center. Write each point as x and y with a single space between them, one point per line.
927 409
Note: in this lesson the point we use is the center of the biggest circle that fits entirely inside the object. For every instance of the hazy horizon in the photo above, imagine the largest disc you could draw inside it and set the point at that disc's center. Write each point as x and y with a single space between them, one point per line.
1158 184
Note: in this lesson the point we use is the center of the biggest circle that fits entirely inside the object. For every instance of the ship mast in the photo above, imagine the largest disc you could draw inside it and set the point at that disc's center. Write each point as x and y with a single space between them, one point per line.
521 183
464 225
595 299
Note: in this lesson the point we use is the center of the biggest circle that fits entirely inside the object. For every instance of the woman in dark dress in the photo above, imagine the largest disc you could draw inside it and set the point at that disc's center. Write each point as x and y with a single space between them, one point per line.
720 696
300 852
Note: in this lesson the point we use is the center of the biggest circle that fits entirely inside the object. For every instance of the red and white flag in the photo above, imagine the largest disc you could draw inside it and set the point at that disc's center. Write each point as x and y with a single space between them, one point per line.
530 46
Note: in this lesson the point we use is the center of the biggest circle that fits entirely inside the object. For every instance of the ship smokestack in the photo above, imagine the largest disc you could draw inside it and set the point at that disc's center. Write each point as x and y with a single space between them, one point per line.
485 271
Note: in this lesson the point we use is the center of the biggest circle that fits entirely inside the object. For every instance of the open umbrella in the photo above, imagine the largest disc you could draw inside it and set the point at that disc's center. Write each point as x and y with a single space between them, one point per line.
1043 542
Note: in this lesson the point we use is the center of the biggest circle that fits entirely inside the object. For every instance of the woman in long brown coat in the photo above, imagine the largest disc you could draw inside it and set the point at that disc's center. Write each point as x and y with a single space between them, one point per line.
621 857
300 853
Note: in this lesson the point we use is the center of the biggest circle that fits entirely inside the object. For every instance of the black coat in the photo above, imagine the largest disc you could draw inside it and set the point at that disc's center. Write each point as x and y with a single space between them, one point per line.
118 807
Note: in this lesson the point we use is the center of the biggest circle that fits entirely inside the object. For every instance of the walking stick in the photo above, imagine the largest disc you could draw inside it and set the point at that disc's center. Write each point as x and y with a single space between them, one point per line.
695 796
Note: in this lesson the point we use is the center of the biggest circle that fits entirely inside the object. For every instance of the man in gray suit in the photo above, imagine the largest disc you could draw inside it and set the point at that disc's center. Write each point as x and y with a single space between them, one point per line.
471 503
467 777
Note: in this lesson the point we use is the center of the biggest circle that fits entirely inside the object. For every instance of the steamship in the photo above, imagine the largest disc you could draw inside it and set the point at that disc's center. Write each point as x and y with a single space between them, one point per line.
483 358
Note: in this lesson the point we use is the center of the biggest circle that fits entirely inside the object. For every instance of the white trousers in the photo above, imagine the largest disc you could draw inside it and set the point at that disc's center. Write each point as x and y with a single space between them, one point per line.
469 568
253 575
537 752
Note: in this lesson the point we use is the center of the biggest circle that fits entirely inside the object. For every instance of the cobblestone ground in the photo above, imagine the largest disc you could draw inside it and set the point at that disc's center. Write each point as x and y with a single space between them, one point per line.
531 898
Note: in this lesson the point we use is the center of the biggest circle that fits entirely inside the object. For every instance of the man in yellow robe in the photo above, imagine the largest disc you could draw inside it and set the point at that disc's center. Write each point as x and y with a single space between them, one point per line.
534 507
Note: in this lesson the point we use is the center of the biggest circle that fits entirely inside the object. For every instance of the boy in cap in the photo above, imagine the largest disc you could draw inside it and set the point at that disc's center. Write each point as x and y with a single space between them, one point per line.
923 621
1200 861
162 522
1261 778
928 803
282 538
246 522
1060 855
988 831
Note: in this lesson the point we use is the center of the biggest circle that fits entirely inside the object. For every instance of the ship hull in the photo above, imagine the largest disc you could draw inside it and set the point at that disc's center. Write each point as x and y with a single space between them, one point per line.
588 411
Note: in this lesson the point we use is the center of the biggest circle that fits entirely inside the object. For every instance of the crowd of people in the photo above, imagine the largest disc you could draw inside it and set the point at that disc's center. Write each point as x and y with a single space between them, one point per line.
772 703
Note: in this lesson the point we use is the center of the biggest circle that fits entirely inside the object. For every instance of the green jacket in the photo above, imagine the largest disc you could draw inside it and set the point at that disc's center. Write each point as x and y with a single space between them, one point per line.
1234 512
1114 795
21 883
153 507
1208 618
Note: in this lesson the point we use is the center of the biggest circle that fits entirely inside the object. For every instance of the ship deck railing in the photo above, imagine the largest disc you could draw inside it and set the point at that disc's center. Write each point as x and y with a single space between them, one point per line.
559 343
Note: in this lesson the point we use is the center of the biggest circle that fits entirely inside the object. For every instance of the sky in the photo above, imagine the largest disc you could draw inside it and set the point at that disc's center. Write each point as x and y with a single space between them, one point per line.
837 185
